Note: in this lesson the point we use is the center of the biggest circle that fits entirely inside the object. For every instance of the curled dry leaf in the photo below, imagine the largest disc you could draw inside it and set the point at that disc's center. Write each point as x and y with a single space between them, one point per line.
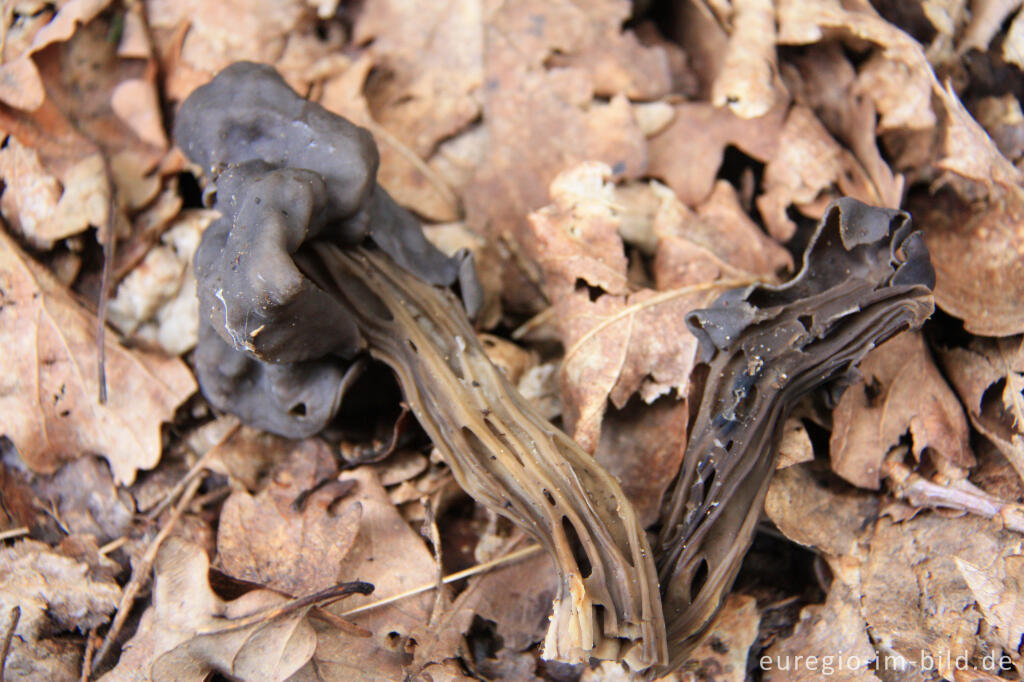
81 141
428 71
45 208
989 376
294 534
189 632
55 592
808 166
48 394
901 391
970 152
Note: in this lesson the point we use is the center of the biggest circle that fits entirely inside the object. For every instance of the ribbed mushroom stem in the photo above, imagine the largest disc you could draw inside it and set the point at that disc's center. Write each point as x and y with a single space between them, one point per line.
508 457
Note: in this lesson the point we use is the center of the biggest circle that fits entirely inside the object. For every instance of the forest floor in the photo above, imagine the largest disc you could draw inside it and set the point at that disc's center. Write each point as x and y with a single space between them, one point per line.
612 166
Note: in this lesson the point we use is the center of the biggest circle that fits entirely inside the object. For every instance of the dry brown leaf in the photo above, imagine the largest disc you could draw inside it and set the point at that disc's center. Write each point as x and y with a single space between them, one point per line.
999 595
428 70
86 501
687 154
901 95
642 447
902 391
978 253
55 592
293 535
342 656
189 632
48 400
915 600
79 142
20 83
808 168
539 112
517 598
978 372
970 152
746 83
196 39
722 656
403 172
47 659
396 557
829 642
823 79
135 101
809 512
719 240
46 209
617 343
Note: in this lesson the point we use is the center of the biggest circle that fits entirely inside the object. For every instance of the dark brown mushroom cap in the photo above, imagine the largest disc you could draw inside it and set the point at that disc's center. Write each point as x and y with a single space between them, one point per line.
286 172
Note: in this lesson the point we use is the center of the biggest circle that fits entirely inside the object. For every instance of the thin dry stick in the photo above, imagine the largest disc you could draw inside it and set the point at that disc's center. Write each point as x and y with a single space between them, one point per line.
109 248
13 616
13 533
471 571
90 650
320 598
141 570
193 472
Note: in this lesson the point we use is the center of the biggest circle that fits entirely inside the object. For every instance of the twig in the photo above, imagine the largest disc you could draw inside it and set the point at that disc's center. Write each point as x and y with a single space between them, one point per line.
263 615
109 248
141 570
471 571
13 616
14 533
960 495
112 545
90 650
195 470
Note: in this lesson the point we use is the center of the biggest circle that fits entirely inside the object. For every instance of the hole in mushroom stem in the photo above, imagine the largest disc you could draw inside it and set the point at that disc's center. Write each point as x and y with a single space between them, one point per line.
700 576
550 499
576 547
297 410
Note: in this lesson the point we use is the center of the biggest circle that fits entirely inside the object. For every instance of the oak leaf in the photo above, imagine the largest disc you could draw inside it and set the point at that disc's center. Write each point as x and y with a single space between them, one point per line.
190 632
290 537
902 391
49 392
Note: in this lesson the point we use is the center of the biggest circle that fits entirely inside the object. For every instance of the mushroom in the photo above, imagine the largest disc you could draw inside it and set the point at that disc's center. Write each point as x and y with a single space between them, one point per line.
865 277
312 263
